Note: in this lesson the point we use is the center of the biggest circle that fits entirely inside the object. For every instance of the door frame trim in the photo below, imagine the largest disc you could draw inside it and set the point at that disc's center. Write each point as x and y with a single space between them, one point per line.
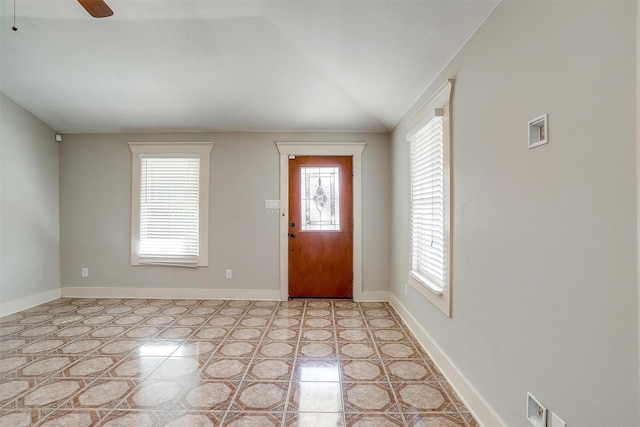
353 149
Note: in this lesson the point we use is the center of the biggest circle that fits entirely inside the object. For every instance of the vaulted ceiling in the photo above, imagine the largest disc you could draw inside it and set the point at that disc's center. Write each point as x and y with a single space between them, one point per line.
205 65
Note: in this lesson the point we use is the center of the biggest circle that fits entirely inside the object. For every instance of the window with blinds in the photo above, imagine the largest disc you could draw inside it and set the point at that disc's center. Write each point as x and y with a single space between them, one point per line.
169 209
427 204
170 203
429 216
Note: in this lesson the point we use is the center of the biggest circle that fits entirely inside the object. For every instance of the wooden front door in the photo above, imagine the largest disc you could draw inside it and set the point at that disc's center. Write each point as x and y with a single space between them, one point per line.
321 226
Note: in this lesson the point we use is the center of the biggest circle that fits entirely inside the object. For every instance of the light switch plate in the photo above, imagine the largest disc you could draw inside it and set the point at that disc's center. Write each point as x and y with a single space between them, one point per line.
272 204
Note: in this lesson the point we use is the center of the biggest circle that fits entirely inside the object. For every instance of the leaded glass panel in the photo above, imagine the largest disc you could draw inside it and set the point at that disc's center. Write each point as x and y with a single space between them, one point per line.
320 198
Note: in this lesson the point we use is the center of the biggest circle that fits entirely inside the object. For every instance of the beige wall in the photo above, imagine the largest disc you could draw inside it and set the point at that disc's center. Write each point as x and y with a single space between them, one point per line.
29 215
95 199
544 240
638 158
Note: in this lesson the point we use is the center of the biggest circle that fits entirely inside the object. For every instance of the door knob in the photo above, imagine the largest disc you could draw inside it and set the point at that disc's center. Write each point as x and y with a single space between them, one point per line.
292 235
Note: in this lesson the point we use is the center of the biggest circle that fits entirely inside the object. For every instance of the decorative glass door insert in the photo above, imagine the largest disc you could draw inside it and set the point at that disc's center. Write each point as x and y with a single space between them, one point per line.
320 198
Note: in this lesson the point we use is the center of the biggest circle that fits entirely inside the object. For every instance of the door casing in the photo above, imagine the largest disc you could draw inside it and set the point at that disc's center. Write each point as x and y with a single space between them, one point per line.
353 149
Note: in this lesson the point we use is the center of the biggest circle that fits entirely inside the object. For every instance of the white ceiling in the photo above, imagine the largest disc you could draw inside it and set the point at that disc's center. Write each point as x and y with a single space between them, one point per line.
205 65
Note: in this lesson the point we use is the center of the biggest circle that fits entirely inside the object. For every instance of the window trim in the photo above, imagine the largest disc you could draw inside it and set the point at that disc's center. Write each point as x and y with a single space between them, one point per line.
439 297
192 149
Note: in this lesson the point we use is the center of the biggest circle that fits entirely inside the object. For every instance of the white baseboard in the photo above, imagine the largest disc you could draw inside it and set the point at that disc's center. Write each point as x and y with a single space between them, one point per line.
180 293
372 296
170 293
24 303
483 413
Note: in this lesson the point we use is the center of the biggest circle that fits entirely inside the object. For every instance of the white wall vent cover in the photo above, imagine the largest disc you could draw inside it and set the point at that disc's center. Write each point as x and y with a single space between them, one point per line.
538 131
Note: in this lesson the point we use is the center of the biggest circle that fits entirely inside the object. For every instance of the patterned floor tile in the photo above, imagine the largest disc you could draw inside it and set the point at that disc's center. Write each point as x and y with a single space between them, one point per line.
71 418
363 370
316 370
176 332
108 332
202 311
316 419
192 419
158 347
316 396
281 334
382 323
253 419
357 350
422 397
350 323
277 349
129 320
236 349
80 347
408 370
122 418
286 322
135 367
352 334
208 395
198 348
51 394
46 366
315 322
373 397
374 420
155 394
35 332
435 419
319 350
254 322
179 367
398 351
102 394
118 347
270 370
212 333
41 347
246 334
222 321
21 418
11 346
146 310
289 312
317 335
125 362
89 367
11 364
12 388
260 396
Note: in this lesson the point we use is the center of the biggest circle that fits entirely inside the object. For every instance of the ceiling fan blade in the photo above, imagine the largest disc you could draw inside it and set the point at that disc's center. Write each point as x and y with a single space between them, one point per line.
96 8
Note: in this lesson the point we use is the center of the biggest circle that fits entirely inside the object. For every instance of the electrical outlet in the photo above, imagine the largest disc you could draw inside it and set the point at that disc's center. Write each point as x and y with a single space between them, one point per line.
536 412
229 274
84 272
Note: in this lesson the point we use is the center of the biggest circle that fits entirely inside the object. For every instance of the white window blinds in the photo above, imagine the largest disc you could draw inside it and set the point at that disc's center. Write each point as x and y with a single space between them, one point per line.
427 203
169 209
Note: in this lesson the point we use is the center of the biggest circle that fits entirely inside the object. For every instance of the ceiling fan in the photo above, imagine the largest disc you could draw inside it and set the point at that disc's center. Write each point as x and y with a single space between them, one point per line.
96 8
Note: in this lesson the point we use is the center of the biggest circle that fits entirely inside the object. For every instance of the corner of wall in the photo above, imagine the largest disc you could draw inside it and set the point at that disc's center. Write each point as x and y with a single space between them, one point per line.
19 304
484 414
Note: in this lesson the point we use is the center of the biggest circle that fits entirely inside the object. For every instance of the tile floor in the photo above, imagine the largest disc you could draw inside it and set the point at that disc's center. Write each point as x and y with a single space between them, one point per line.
125 362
